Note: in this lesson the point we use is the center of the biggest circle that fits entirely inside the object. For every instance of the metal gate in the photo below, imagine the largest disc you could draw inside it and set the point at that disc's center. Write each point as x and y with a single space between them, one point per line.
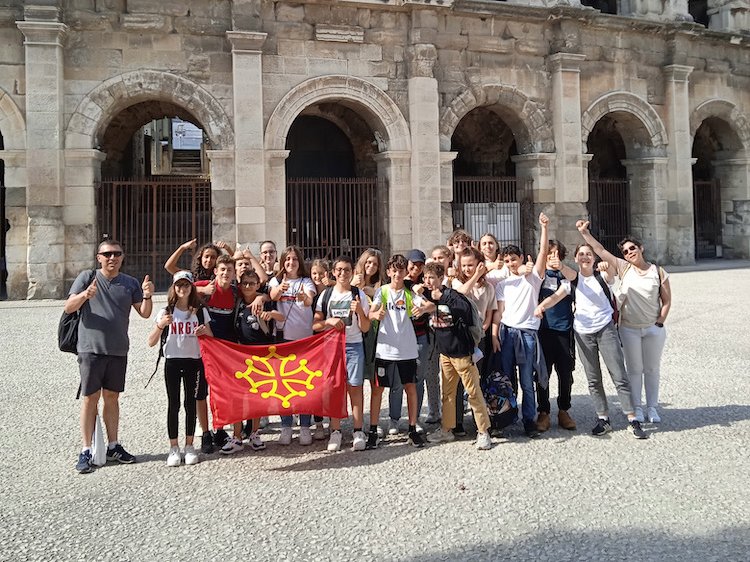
327 217
151 218
707 216
609 208
500 205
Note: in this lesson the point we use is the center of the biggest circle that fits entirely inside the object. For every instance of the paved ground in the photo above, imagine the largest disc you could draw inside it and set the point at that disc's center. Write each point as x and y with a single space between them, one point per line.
682 495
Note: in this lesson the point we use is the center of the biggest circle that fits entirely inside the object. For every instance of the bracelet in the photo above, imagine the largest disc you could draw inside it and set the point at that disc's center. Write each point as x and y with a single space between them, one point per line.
660 324
146 298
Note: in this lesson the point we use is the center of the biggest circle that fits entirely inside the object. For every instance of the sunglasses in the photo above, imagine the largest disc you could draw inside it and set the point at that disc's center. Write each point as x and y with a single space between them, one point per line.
248 284
626 251
111 254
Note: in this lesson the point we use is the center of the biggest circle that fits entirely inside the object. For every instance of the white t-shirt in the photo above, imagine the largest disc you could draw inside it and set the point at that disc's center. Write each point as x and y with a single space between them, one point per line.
396 338
484 297
339 306
520 294
182 343
642 304
593 311
298 317
494 276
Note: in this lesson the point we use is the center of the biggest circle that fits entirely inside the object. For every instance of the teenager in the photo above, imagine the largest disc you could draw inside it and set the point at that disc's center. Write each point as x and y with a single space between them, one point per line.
320 273
396 350
458 241
339 309
294 292
185 320
493 259
456 346
204 260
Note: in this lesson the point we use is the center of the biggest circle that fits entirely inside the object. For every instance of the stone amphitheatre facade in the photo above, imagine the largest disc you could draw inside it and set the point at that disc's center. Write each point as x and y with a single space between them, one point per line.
552 93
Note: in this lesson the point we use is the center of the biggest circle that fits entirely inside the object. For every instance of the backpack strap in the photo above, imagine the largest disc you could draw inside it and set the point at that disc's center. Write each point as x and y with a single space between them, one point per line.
605 288
162 341
326 300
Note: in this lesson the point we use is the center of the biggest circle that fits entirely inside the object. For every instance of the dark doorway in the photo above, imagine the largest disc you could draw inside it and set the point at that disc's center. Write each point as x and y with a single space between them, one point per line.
706 188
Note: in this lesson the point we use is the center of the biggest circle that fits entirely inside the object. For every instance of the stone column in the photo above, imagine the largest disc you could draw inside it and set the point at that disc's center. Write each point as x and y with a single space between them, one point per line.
649 206
83 169
276 196
733 173
446 198
16 239
223 204
424 123
44 35
247 94
395 204
729 15
681 236
536 182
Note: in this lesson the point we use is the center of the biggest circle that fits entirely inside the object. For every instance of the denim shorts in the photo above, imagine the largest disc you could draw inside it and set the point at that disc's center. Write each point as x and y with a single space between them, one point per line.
355 364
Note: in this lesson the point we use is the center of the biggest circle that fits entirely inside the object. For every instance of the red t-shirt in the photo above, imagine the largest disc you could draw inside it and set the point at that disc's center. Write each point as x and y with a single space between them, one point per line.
221 305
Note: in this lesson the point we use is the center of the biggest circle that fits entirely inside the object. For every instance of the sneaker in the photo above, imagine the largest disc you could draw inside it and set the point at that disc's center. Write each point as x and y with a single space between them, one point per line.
530 429
207 443
120 455
639 414
602 426
221 438
484 442
84 464
392 427
360 441
381 433
459 431
263 422
305 436
372 441
320 432
441 436
191 456
653 415
420 428
542 421
635 425
174 458
565 421
232 446
286 436
256 442
416 439
432 419
334 443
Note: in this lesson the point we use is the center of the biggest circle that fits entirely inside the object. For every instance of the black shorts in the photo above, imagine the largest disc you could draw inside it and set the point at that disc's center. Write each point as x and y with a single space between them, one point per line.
191 368
102 371
386 371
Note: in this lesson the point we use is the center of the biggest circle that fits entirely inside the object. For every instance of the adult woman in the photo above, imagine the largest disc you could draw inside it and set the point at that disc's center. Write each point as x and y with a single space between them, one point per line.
645 298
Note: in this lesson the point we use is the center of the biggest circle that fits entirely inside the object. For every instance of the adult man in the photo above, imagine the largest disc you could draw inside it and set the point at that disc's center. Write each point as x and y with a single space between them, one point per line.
104 300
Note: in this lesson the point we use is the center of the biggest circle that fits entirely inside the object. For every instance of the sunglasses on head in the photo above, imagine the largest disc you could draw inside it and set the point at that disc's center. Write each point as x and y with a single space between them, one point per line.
110 254
628 249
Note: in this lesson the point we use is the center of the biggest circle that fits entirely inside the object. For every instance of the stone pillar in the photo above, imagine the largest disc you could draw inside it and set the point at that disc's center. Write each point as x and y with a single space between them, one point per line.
649 206
681 236
424 123
83 169
276 196
660 10
729 15
16 239
395 211
223 193
536 183
44 35
247 93
446 198
733 173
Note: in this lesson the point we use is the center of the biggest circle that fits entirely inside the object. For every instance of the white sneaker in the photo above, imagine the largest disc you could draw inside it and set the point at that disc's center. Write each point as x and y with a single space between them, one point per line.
392 427
286 436
441 436
359 442
639 414
233 446
263 422
420 428
381 433
320 432
334 443
484 443
174 458
191 456
653 415
256 441
305 436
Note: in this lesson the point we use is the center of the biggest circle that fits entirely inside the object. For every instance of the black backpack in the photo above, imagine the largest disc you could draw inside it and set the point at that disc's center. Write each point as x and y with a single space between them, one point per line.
67 328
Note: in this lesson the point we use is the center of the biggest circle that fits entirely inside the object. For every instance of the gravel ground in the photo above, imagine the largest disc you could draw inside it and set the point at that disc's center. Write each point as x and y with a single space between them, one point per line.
681 495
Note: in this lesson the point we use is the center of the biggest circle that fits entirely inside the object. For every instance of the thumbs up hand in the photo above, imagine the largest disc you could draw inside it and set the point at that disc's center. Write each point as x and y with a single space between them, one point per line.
91 290
147 287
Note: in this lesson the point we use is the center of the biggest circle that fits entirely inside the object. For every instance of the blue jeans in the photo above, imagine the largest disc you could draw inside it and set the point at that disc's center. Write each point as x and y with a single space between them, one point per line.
304 420
525 367
355 364
396 393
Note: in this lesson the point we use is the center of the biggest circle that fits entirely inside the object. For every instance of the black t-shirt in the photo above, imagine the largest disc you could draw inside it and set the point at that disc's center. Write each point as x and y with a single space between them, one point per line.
251 330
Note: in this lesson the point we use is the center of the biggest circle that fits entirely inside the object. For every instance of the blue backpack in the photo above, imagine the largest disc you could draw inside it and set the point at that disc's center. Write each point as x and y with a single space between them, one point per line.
499 396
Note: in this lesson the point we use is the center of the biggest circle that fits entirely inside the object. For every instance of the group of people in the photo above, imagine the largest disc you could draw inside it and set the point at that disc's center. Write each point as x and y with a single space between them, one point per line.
412 323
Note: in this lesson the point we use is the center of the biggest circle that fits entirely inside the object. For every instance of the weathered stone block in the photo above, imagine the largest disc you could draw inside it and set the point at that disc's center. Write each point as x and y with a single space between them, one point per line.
163 7
145 22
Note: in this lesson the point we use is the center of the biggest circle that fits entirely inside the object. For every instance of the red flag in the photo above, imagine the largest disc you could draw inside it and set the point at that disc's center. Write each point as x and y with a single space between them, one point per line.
306 376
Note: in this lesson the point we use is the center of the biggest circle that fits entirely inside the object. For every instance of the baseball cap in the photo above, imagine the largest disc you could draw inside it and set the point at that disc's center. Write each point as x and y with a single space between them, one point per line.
416 256
180 275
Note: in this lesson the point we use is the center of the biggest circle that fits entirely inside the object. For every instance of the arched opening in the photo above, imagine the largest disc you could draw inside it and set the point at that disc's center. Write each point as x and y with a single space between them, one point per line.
331 183
487 195
714 141
608 205
4 228
155 192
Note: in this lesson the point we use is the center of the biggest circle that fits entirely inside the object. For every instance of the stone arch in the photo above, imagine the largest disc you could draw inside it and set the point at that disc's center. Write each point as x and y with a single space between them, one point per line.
649 134
738 124
12 123
90 119
525 117
380 112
